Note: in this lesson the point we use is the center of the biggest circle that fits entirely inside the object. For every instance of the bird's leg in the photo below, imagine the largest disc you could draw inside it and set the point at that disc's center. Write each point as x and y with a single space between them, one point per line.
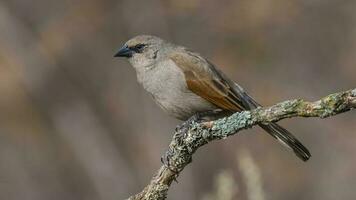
212 115
185 125
183 128
202 117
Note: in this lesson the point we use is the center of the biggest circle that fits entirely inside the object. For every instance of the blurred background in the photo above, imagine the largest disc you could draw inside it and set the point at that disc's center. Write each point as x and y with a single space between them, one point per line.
75 124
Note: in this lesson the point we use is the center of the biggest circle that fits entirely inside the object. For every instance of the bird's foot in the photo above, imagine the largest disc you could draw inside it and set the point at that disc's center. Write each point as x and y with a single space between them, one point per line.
185 125
198 117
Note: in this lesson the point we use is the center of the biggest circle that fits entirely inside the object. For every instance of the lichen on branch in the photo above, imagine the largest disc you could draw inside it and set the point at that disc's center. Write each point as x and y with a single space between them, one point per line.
184 144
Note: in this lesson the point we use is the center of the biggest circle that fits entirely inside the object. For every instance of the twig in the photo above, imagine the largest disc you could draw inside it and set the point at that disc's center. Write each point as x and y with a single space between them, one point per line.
183 146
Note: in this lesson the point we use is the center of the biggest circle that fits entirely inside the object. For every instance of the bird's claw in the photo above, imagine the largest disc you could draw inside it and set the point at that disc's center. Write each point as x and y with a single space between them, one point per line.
184 127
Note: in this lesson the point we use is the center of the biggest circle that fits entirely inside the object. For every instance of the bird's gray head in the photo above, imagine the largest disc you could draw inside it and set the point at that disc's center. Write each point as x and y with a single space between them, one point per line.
141 50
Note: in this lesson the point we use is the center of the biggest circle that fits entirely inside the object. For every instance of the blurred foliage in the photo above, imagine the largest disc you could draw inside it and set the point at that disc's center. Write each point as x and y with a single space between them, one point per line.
74 124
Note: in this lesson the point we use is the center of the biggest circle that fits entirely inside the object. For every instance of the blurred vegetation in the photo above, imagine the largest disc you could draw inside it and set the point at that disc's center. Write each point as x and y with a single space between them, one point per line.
74 123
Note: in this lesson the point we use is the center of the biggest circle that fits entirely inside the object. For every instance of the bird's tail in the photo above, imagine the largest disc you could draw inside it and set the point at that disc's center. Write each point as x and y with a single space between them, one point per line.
286 138
278 132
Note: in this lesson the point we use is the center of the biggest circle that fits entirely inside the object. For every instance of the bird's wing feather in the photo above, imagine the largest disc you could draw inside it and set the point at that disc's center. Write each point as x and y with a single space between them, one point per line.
206 81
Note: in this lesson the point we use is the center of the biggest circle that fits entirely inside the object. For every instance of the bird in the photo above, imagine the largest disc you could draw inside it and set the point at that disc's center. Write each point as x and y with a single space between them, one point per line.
185 84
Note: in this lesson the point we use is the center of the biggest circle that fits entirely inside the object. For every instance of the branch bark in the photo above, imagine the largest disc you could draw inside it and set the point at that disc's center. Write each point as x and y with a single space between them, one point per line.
184 144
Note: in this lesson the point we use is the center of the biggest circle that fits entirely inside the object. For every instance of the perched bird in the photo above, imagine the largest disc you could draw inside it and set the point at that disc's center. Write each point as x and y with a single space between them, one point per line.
184 84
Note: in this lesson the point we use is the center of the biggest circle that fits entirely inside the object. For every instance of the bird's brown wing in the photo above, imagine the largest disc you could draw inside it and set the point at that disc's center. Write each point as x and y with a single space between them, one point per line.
206 81
203 79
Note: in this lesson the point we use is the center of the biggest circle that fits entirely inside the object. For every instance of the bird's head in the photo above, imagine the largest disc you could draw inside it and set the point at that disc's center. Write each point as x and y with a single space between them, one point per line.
141 50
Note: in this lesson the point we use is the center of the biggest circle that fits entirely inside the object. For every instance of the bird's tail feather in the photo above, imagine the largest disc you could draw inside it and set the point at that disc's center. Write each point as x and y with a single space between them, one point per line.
278 132
286 138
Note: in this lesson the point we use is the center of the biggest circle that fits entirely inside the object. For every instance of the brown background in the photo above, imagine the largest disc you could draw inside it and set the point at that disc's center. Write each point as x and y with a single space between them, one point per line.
74 124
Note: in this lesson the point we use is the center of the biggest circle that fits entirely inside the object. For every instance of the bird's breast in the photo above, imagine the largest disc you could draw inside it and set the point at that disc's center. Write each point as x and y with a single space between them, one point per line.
167 85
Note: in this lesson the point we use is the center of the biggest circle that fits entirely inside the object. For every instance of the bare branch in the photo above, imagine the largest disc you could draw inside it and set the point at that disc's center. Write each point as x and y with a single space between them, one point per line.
183 145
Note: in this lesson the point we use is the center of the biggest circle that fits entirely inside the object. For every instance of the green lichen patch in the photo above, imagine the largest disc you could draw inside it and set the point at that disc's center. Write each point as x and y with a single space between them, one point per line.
353 93
225 127
157 192
332 104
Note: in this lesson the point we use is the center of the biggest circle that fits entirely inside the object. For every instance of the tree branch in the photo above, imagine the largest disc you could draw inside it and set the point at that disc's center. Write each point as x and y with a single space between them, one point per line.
183 145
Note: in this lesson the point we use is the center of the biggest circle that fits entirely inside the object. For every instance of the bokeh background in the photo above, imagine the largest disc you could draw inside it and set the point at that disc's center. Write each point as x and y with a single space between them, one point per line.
75 124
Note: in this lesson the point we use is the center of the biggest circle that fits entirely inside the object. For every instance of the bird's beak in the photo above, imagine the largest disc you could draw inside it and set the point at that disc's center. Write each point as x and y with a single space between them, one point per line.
125 51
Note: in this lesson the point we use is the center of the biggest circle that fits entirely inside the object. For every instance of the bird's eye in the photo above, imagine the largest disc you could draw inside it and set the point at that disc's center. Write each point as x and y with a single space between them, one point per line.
139 48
